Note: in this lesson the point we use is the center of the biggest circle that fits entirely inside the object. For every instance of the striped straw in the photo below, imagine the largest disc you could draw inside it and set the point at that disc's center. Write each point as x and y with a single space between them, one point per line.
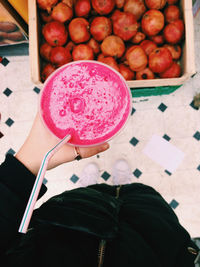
37 185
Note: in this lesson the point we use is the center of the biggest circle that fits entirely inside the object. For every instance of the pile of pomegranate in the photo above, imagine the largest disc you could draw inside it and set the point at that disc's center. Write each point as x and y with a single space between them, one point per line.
139 38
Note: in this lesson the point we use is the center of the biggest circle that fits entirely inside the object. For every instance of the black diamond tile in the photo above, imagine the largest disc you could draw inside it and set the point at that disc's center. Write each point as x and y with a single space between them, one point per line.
36 90
7 92
10 151
105 176
198 168
1 135
74 178
9 122
134 141
166 137
197 136
173 204
4 61
169 173
193 106
162 107
133 111
137 173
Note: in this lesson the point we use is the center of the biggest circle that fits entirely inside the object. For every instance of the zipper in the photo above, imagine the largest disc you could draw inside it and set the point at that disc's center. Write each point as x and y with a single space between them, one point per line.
102 245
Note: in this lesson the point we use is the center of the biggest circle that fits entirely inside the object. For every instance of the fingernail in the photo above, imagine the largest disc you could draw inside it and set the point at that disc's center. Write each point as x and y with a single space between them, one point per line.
105 146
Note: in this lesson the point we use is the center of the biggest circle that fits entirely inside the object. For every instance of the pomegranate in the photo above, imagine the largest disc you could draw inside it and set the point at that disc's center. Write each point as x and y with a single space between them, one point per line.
126 72
82 52
100 28
62 13
47 70
158 39
70 46
46 4
109 61
152 22
113 46
155 4
55 33
94 45
79 30
69 3
148 46
45 50
172 13
138 38
119 3
136 57
136 7
173 32
160 60
145 74
125 25
172 2
82 8
175 51
172 72
60 56
100 57
103 7
45 16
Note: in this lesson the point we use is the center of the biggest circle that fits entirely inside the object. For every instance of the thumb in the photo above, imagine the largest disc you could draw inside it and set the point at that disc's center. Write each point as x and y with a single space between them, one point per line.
86 152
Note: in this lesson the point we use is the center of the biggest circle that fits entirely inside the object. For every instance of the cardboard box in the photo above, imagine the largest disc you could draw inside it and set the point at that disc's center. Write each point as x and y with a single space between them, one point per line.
13 28
187 60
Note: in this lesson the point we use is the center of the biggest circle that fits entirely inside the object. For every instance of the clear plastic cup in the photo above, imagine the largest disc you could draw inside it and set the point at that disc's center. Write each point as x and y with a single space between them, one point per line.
88 100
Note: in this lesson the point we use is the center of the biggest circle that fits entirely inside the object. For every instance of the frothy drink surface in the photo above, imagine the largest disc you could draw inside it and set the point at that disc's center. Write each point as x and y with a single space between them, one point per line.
87 100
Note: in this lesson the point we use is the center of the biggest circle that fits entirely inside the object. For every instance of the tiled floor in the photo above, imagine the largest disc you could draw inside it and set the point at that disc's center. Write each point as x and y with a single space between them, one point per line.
171 117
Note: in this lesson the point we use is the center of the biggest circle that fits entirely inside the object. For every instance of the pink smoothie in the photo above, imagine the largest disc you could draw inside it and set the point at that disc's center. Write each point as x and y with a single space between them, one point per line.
86 99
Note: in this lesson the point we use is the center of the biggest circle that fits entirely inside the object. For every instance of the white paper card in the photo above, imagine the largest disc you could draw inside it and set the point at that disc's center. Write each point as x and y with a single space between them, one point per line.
164 153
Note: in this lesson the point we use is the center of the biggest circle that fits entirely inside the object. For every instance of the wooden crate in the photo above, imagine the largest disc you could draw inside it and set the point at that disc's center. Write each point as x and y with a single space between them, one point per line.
187 60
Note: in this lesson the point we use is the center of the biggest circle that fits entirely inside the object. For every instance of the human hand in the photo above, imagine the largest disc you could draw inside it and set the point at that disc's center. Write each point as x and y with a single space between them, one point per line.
40 141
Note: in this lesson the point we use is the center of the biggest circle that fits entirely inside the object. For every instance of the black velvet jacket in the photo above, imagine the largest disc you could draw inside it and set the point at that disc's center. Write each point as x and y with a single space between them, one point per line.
101 225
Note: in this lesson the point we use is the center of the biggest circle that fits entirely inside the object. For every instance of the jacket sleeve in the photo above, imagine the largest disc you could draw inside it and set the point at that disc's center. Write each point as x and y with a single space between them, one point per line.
16 183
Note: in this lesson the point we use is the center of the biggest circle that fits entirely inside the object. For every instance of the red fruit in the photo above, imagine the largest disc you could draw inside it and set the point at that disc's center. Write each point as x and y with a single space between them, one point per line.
45 50
155 4
62 12
94 45
82 52
125 25
136 57
103 7
79 30
148 46
175 51
60 56
172 13
126 72
70 46
136 7
45 16
145 74
113 46
109 61
172 72
47 70
158 39
119 3
138 38
69 3
172 2
152 22
82 8
55 33
160 60
173 32
100 28
46 4
100 57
